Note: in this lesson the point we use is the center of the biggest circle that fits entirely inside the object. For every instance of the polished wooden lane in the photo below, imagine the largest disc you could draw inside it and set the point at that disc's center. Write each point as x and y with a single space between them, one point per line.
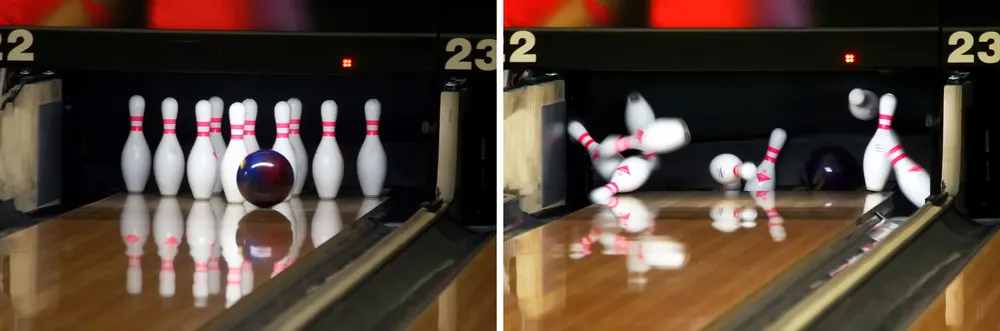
680 271
469 302
106 266
971 301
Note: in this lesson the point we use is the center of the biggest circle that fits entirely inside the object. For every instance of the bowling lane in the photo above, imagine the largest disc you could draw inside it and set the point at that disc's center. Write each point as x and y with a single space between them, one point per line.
672 261
971 300
468 303
127 262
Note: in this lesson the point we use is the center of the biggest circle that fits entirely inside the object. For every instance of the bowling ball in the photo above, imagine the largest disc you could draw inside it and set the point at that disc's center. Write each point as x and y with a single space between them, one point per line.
265 178
833 168
264 236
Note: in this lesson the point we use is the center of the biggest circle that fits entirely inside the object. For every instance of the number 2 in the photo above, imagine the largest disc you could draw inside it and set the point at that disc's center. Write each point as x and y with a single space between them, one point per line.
457 62
23 39
964 40
521 55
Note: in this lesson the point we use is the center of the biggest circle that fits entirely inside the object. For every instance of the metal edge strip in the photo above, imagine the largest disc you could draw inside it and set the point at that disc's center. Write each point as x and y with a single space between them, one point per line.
807 311
803 268
298 316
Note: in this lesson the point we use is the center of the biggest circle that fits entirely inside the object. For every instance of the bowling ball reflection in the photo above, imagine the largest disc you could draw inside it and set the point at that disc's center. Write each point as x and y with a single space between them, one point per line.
264 236
265 178
833 168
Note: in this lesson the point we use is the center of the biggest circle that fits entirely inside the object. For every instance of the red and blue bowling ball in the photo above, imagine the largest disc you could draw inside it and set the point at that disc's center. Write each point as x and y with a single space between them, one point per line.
265 178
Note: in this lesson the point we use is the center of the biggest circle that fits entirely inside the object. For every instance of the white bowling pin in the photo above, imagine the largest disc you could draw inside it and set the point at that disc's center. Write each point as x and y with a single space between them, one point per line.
862 103
202 161
372 158
727 169
168 230
912 179
135 231
250 126
231 251
766 173
638 113
301 156
282 145
876 165
136 158
201 237
604 164
631 174
235 154
328 162
326 222
168 162
215 133
664 135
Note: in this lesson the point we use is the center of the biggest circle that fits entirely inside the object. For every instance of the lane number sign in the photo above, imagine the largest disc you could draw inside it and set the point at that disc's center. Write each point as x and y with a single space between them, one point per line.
461 49
964 41
15 46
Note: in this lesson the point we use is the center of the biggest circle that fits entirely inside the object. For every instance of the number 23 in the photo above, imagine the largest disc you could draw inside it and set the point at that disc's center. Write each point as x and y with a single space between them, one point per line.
965 40
463 47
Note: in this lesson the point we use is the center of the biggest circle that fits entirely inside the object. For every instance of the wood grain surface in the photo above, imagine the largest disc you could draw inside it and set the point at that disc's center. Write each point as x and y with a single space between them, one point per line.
469 303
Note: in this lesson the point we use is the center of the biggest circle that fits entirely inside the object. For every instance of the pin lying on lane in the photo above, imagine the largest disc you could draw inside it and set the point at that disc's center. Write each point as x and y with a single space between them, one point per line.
766 179
136 158
727 169
605 166
876 165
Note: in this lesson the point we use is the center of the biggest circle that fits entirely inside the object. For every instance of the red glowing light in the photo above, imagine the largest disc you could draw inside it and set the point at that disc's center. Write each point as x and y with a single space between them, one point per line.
346 62
849 58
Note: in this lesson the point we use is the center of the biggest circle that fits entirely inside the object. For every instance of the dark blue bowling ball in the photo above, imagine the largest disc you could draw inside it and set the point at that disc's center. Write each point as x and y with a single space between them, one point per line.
265 178
833 168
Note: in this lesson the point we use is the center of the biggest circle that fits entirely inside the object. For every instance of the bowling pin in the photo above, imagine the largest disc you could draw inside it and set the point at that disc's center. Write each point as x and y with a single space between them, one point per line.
202 162
301 156
168 230
235 154
605 166
638 113
328 162
876 164
282 145
727 169
371 158
912 179
765 179
135 231
168 162
250 126
326 222
201 237
664 135
135 156
631 174
862 103
231 251
215 133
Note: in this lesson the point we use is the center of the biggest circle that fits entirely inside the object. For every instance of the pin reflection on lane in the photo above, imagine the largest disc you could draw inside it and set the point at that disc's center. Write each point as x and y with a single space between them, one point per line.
201 236
626 229
135 231
775 223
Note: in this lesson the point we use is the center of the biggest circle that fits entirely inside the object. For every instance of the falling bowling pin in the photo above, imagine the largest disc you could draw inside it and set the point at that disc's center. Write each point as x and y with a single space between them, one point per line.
638 113
168 162
862 103
727 169
912 179
250 126
765 178
136 158
328 162
202 162
604 164
235 154
664 135
631 174
876 164
371 158
301 156
215 133
282 145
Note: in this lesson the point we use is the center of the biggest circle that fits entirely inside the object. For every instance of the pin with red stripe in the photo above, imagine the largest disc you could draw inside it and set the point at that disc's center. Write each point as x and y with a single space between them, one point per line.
328 161
604 165
372 159
765 179
282 144
168 161
631 174
136 158
203 162
876 166
913 180
235 154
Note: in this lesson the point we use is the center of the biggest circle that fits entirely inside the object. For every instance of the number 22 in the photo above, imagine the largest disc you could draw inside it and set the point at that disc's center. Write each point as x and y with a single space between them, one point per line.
23 39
